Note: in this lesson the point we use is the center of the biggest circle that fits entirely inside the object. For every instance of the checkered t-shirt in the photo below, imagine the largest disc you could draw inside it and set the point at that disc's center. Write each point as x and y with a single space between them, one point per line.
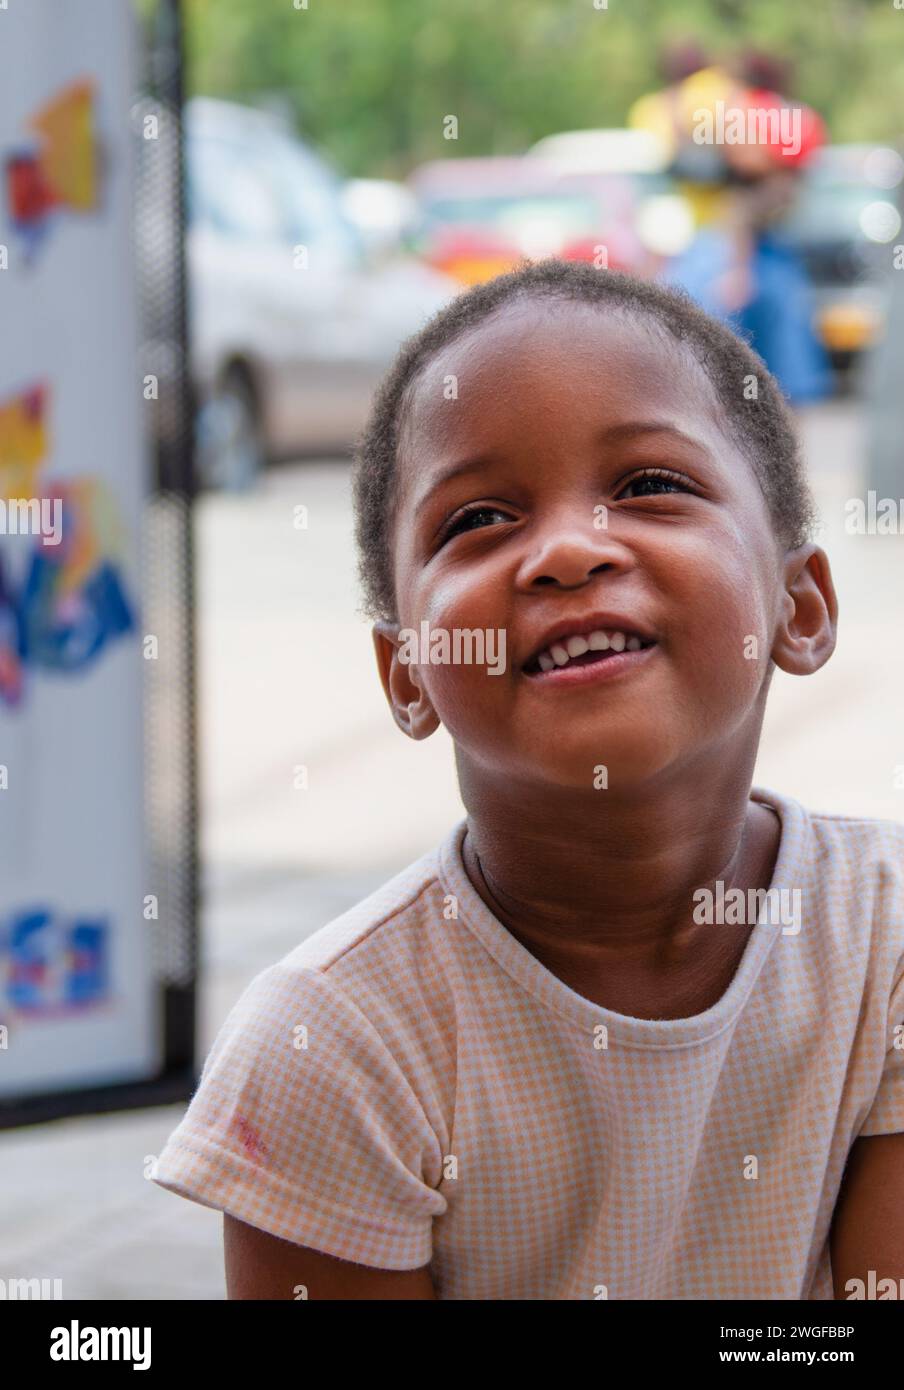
410 1086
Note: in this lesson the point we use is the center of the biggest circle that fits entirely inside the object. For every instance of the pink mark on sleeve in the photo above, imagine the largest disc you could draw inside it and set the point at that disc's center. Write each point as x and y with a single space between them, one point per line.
250 1140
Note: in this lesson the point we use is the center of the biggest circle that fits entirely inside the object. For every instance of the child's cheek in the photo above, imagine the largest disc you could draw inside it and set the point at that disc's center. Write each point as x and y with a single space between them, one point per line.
463 697
728 644
469 670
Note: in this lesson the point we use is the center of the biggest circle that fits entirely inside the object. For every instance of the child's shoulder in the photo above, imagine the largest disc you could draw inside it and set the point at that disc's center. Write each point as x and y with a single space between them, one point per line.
846 875
366 968
846 844
865 846
339 1038
848 871
387 923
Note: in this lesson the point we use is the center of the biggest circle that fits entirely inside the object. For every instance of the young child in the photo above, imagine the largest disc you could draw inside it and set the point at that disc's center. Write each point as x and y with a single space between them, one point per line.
578 1051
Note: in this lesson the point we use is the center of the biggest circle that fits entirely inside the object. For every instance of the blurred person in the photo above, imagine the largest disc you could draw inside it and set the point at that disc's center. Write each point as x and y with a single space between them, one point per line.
693 82
740 267
529 1066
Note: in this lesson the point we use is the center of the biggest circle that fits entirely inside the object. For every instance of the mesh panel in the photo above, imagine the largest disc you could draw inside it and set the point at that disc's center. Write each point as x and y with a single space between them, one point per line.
168 560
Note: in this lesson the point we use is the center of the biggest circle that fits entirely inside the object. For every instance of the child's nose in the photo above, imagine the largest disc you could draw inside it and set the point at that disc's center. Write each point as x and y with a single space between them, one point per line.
569 552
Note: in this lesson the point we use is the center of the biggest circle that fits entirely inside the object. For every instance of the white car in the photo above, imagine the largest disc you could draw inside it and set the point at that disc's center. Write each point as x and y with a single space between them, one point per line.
292 323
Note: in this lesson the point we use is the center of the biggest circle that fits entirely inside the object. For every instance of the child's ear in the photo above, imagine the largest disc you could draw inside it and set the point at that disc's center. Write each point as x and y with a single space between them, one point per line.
805 636
409 702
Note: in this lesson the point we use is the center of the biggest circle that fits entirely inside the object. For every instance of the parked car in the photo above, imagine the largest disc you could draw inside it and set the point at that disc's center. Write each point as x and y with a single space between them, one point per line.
662 216
481 216
292 324
638 153
384 213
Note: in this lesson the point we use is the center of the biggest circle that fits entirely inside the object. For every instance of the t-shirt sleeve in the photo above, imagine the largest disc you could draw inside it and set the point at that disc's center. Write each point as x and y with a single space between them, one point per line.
886 1115
304 1125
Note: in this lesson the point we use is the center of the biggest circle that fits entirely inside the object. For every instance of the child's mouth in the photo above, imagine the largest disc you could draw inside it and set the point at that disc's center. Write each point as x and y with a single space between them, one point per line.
594 656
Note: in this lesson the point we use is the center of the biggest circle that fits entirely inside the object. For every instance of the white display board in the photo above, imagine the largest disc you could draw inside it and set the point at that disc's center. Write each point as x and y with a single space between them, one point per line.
77 1001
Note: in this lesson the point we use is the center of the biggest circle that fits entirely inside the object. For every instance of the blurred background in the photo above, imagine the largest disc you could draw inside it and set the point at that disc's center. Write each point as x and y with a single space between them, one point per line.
348 169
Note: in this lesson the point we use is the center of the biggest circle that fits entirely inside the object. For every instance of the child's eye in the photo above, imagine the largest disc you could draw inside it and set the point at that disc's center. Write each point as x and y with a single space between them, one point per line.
468 519
654 481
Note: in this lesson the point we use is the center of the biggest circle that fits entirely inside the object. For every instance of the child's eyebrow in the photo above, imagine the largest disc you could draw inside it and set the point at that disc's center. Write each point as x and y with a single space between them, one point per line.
633 428
454 470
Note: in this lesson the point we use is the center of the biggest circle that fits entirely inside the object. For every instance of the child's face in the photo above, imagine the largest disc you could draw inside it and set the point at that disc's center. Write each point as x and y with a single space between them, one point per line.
560 409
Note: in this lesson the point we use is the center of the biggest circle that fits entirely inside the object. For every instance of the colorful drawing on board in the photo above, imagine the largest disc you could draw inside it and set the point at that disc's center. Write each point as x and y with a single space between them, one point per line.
53 963
66 602
58 170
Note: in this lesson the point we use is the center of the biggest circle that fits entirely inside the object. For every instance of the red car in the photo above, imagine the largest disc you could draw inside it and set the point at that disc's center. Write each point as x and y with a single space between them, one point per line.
481 217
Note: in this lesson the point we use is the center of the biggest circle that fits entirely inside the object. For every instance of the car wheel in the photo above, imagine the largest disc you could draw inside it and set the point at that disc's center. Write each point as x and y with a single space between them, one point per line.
230 454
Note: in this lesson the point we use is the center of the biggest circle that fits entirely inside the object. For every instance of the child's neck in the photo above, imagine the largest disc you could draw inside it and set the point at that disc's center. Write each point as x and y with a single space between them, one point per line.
610 910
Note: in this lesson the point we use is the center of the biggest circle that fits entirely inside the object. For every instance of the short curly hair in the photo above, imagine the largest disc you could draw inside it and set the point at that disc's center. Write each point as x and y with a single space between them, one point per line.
762 427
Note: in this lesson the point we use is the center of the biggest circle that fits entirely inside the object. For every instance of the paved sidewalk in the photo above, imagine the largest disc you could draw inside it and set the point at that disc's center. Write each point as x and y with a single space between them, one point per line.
74 1203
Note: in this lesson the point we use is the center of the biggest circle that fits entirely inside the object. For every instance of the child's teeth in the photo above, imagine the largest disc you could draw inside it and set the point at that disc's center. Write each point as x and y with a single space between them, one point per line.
560 653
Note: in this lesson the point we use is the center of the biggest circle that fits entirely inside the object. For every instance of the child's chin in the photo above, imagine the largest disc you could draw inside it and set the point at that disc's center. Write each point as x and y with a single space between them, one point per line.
610 764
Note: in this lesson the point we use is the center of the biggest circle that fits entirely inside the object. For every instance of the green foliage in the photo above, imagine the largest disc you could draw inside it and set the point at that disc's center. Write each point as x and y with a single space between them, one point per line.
370 81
